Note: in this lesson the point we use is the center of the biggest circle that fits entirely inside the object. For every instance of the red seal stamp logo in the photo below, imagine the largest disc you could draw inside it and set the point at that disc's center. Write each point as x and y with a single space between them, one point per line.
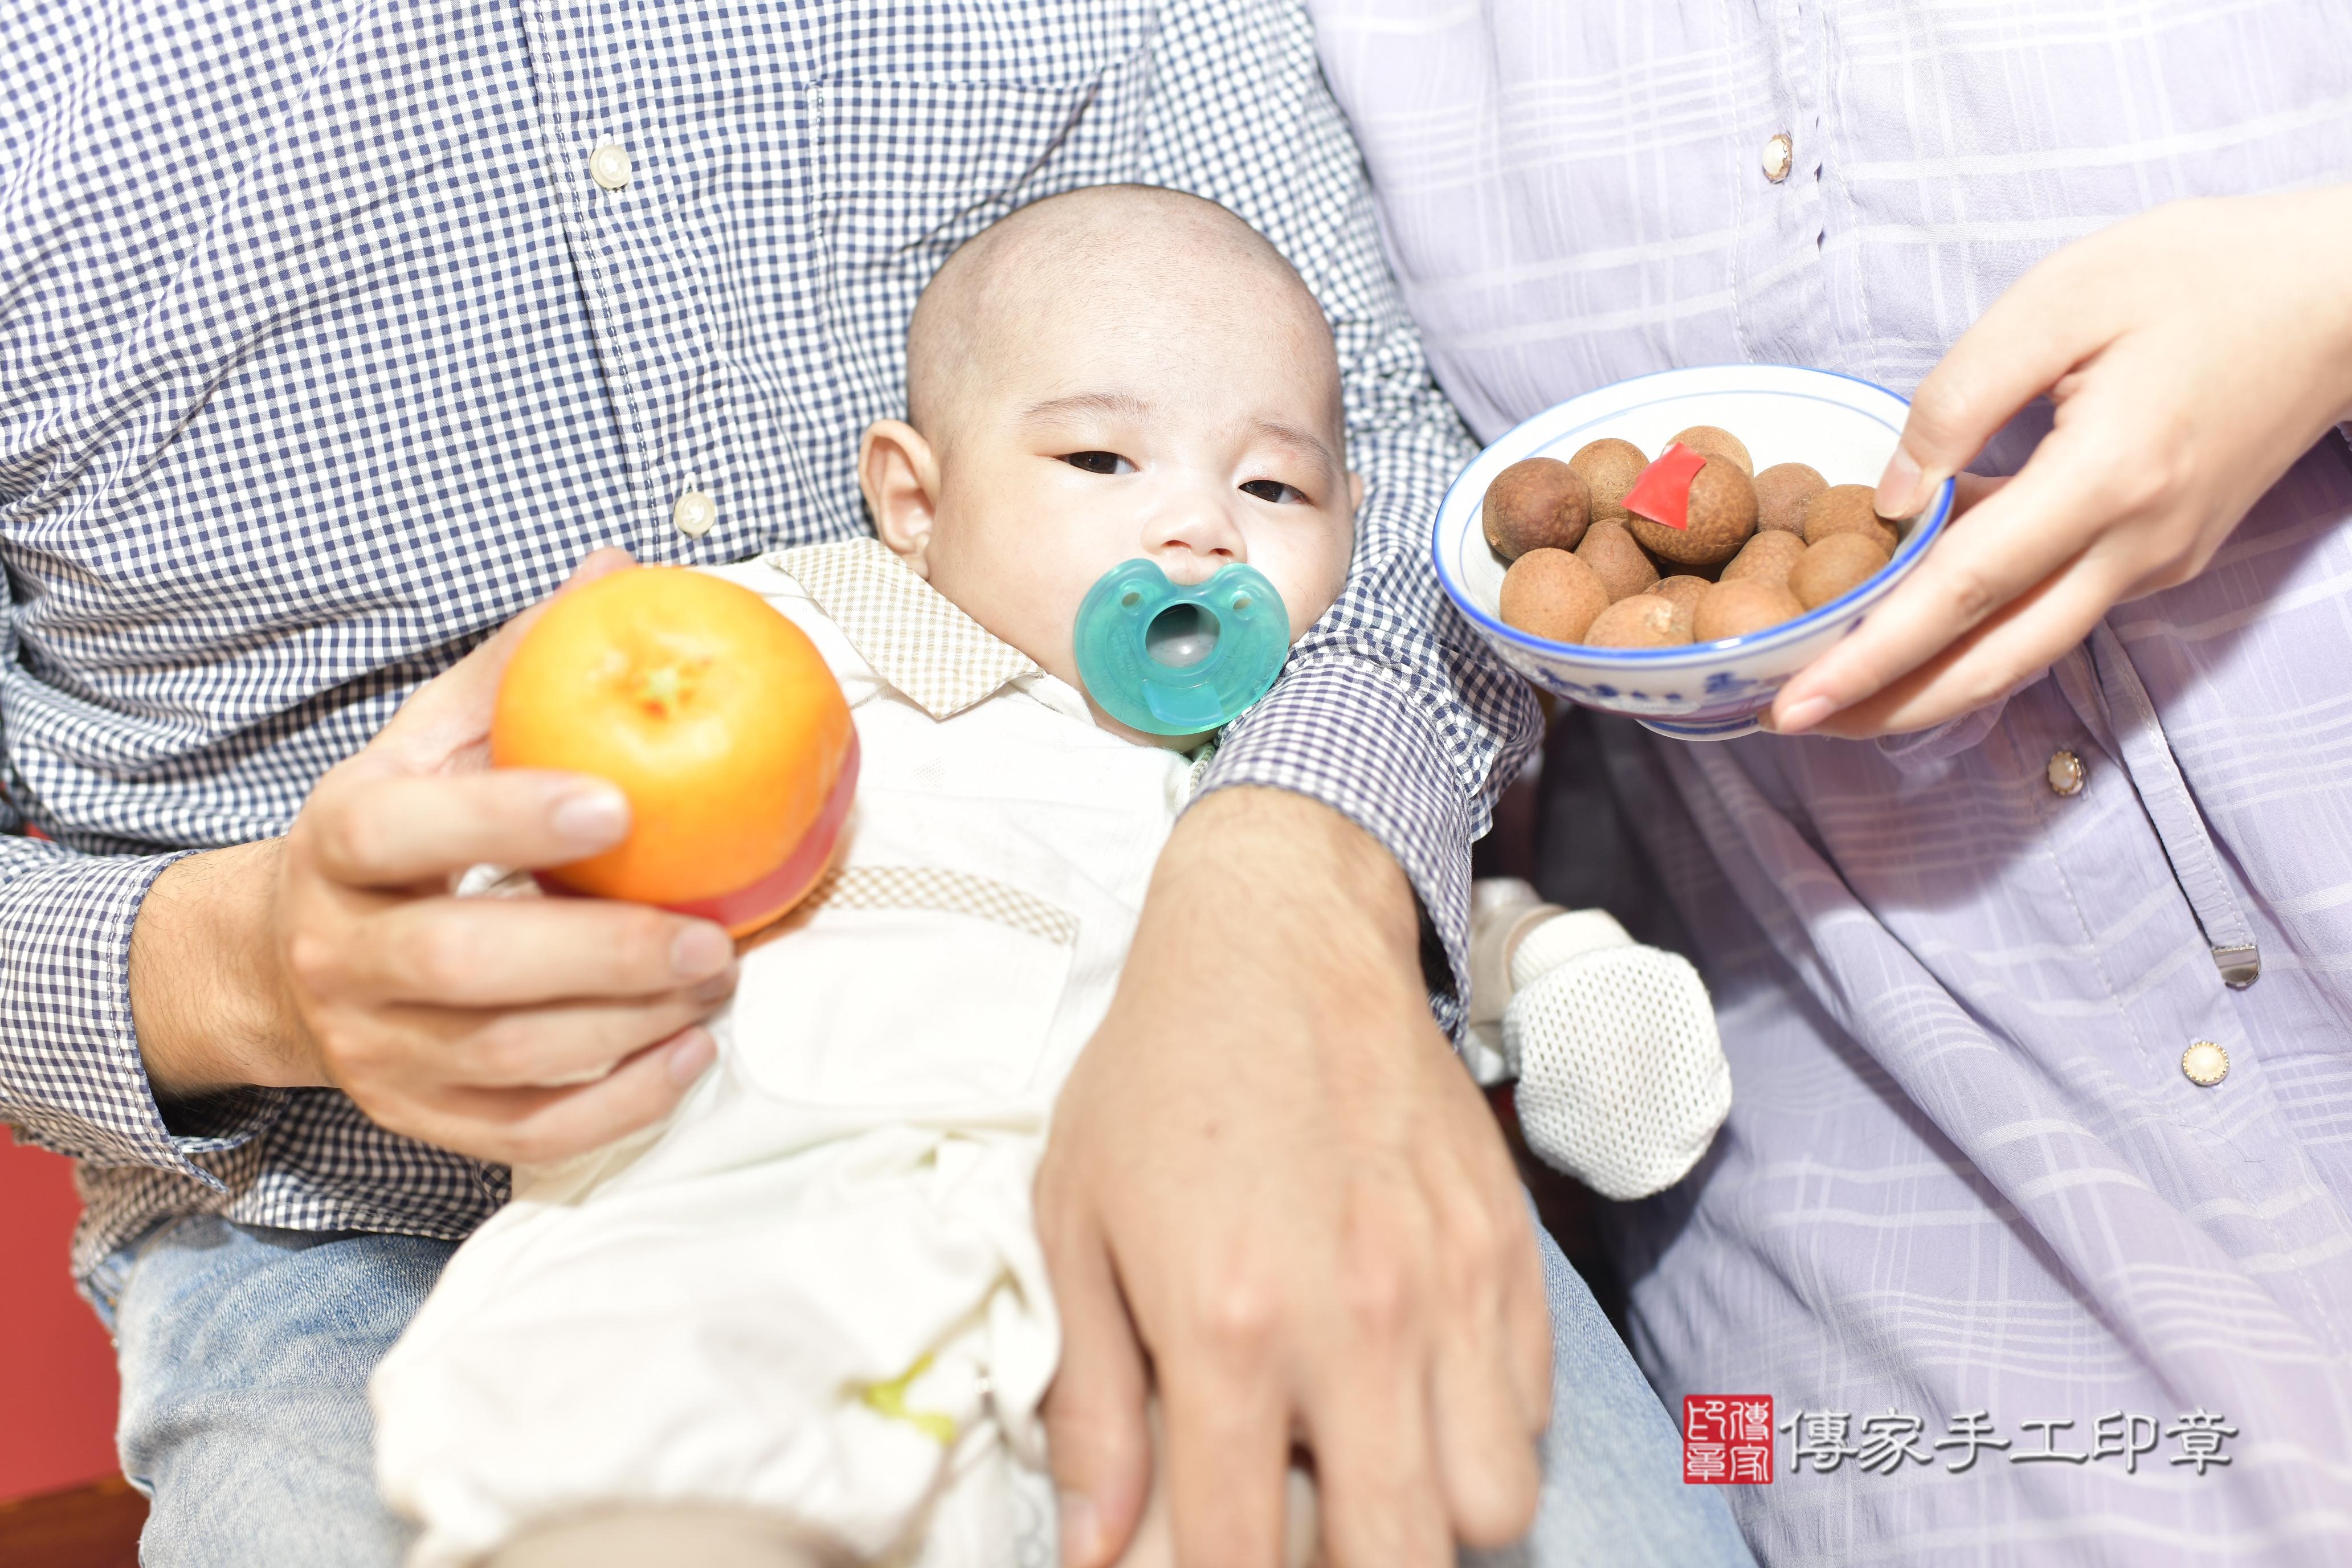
1728 1439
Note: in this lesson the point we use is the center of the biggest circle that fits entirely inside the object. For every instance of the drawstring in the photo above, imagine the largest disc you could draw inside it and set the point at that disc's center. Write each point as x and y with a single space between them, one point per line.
2104 688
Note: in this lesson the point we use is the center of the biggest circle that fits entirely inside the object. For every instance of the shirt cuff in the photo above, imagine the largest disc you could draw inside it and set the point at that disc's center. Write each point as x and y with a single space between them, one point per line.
71 1079
1347 732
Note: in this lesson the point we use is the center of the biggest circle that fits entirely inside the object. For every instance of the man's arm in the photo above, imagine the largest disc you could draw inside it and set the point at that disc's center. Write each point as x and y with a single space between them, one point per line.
155 1009
1391 711
1271 1189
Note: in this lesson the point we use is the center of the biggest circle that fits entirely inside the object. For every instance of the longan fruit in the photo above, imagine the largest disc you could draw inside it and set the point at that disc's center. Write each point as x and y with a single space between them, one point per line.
1840 562
1735 609
1609 467
1682 588
1768 557
1781 492
1642 620
1722 516
1718 442
1551 593
1609 549
1846 508
1540 504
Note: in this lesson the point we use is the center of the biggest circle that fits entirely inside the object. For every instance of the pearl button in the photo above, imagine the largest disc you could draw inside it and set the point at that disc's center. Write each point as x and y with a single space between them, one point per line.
694 514
2206 1064
609 165
1778 153
2065 774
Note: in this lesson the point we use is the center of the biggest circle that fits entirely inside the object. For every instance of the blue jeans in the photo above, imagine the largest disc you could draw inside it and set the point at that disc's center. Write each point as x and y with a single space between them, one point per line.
246 1355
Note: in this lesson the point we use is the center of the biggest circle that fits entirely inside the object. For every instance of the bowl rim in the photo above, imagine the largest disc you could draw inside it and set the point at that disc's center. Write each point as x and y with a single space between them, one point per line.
1931 523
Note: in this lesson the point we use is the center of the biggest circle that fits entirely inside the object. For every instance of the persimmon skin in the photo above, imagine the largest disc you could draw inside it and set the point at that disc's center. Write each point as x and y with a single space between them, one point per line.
711 712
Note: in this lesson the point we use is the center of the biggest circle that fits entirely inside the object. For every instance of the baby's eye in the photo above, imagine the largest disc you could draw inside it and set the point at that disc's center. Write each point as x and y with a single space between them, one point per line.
1274 490
1099 462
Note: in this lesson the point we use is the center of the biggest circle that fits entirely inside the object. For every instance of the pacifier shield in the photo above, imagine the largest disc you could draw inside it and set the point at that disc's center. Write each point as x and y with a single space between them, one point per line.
1169 660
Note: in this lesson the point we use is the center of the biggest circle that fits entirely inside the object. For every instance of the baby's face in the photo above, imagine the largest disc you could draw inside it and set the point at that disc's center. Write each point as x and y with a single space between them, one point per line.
1190 428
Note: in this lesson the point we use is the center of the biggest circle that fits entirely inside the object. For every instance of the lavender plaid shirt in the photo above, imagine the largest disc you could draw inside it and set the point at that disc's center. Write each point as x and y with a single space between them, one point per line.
1967 1195
328 340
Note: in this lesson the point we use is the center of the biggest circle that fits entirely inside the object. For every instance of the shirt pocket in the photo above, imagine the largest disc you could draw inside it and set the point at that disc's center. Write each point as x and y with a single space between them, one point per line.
901 988
922 147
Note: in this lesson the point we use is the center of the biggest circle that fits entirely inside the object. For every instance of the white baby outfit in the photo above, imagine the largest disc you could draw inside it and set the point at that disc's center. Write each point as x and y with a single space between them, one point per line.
816 1288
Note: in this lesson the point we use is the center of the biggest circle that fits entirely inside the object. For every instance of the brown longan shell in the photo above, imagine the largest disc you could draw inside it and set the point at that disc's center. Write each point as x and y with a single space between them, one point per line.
1551 593
1781 492
1644 620
1846 508
1609 467
1840 562
1768 557
1722 516
1539 503
1735 609
1718 442
1610 550
1682 588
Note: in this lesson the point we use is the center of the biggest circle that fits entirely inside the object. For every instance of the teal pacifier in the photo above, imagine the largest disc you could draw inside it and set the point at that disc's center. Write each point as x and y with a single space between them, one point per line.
1179 661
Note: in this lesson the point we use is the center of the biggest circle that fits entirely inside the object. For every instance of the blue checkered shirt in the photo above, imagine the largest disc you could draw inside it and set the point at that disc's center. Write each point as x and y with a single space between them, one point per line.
322 352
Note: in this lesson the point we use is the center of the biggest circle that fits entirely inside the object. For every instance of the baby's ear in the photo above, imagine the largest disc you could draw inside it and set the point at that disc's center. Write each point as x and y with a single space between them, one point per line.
1355 493
900 474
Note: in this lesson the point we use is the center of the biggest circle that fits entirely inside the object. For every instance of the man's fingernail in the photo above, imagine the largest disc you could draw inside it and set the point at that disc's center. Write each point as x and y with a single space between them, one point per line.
1805 716
1079 1531
1898 487
690 1056
592 817
700 951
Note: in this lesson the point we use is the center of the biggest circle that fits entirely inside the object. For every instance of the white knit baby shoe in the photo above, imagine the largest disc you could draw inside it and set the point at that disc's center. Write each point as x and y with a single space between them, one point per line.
1621 1075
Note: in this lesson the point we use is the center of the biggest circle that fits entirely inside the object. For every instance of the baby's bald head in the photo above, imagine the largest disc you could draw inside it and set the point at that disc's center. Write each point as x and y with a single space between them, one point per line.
1132 260
1115 374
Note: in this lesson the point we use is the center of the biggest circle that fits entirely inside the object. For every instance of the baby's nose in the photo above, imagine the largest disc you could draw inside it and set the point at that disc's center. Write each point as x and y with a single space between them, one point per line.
1196 541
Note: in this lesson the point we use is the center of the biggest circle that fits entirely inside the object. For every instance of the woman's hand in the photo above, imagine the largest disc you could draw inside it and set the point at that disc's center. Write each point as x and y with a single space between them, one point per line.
2193 355
511 1030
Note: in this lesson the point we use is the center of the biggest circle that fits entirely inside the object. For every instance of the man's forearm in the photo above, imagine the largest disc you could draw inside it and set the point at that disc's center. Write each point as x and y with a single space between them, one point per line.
205 995
1299 872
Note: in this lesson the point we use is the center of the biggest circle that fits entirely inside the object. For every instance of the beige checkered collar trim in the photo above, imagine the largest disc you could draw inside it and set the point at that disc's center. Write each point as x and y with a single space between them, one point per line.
939 657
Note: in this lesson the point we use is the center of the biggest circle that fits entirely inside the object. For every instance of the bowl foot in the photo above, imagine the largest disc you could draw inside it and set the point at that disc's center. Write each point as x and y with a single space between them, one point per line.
1726 729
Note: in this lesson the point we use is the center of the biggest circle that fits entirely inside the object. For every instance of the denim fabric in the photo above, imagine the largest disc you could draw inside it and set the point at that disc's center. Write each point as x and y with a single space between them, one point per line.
246 1353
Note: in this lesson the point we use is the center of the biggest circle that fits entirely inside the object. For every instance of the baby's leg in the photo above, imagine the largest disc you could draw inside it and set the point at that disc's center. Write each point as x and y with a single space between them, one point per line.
706 1535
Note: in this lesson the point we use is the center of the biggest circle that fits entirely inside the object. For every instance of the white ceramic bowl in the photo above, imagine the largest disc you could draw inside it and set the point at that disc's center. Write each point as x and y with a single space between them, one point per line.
1704 691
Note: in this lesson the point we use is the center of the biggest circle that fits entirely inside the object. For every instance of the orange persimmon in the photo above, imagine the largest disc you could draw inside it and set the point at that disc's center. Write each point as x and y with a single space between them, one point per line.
714 714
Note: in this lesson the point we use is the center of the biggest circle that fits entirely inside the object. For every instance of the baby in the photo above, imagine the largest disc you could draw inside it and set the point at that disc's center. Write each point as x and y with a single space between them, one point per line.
806 1319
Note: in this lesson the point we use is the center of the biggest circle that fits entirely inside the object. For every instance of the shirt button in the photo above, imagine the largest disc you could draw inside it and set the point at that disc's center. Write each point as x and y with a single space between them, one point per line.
2206 1064
2065 774
1778 153
609 165
694 514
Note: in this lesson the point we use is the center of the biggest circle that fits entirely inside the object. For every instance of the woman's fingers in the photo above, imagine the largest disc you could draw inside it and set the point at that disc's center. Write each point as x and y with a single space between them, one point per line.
2033 334
2009 649
2007 543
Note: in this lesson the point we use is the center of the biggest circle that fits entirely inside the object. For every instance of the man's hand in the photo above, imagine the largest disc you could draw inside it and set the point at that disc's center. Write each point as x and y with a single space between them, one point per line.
337 957
2193 353
1272 1190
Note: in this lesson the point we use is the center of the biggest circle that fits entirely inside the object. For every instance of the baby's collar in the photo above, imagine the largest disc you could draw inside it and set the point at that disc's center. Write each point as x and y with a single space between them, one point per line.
913 635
